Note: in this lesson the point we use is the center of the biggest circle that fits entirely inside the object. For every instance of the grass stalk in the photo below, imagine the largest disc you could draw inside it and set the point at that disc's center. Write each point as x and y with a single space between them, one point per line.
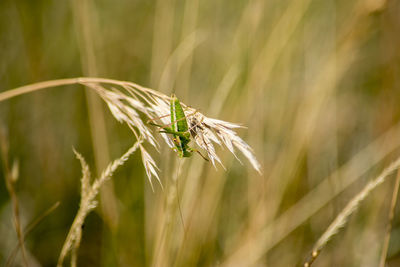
350 208
33 87
29 229
10 181
390 221
51 83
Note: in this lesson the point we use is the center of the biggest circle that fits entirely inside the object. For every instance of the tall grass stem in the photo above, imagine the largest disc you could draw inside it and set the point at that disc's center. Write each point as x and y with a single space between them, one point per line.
390 221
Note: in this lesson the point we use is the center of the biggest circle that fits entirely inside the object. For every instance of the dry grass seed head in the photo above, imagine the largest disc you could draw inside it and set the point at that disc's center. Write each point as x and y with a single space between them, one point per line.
126 100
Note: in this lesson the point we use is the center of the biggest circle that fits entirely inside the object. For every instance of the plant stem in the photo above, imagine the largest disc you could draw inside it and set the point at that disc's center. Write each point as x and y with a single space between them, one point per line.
87 204
14 199
390 222
35 87
60 82
28 229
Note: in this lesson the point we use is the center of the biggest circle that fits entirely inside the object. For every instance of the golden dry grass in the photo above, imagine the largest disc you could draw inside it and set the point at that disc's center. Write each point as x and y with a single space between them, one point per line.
315 82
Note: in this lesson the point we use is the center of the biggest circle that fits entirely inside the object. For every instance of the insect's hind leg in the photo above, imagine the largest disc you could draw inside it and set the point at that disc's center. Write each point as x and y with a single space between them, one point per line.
170 131
155 124
149 121
195 150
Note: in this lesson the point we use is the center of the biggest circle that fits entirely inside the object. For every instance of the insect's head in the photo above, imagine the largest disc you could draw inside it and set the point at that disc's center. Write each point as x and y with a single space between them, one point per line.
195 126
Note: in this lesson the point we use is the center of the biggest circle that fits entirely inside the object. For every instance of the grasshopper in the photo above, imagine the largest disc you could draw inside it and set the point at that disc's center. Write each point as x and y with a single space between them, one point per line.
179 130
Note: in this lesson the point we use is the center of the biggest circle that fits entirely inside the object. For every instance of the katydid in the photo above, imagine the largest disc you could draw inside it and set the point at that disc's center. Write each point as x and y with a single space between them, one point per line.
179 130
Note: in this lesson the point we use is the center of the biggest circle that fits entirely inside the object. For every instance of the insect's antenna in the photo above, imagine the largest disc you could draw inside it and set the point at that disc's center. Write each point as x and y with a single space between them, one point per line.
169 124
154 119
202 155
177 197
183 118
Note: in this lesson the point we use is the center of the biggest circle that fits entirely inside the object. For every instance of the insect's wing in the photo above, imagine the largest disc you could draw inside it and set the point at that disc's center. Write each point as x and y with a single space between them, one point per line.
174 123
178 119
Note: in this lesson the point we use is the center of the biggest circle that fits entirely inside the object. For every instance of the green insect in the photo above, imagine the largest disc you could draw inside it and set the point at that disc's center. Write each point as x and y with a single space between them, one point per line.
179 129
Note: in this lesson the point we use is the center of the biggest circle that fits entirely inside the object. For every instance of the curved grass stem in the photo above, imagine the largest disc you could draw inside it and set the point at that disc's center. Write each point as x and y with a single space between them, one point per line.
61 82
390 221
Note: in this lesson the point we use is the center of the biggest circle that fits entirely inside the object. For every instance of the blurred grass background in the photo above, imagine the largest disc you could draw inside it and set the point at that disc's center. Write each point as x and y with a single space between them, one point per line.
316 83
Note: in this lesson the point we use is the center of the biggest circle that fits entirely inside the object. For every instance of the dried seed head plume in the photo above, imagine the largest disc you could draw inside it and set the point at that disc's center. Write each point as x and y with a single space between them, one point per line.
131 99
125 108
207 131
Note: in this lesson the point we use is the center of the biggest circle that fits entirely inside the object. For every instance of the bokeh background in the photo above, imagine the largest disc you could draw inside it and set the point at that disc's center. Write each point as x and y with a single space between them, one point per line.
316 83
